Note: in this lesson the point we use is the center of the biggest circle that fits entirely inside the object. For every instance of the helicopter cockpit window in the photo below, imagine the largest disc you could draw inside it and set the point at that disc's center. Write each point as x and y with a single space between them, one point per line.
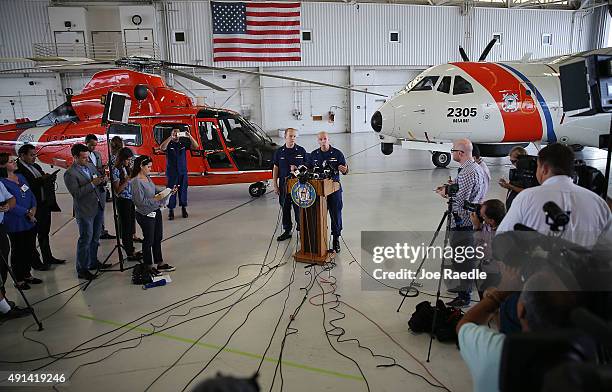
209 136
61 114
237 134
445 85
163 131
130 133
462 86
427 83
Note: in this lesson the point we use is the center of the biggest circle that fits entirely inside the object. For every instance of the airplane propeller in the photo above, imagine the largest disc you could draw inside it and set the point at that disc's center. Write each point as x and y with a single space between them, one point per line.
484 54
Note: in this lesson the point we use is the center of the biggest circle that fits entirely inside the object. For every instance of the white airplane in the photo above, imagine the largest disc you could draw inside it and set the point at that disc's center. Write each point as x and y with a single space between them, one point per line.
495 105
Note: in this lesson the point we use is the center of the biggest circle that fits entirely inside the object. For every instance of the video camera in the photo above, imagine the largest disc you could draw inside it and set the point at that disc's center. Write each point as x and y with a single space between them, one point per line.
524 175
451 189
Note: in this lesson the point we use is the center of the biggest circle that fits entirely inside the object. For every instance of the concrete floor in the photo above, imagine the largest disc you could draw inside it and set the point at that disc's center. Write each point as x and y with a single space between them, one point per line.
227 229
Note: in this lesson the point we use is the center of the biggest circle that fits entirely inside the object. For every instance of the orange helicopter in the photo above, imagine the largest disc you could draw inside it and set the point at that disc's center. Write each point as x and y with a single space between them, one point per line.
232 149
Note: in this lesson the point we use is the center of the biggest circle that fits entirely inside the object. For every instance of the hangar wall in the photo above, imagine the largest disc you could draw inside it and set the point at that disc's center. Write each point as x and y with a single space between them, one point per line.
358 53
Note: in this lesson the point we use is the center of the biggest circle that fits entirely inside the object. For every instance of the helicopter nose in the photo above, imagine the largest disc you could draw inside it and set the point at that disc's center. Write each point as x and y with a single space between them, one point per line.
376 121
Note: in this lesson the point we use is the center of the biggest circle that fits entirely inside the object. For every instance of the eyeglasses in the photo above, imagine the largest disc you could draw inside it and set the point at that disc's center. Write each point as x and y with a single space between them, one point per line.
452 150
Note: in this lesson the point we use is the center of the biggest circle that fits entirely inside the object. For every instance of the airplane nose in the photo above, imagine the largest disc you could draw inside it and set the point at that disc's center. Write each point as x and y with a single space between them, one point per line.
376 121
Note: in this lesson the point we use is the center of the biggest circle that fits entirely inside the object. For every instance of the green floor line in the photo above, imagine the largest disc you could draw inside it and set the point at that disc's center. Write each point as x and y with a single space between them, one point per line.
229 350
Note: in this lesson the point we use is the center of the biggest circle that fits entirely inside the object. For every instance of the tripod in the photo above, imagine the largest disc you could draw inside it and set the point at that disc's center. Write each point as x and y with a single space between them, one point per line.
405 291
411 290
25 299
118 247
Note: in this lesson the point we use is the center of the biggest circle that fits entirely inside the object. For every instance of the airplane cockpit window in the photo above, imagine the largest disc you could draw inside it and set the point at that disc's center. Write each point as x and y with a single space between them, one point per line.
163 131
61 114
445 84
462 86
237 134
427 83
130 133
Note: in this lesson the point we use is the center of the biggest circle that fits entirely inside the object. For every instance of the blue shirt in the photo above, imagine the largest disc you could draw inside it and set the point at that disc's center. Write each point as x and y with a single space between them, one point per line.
481 349
176 158
285 157
333 157
15 220
4 196
126 193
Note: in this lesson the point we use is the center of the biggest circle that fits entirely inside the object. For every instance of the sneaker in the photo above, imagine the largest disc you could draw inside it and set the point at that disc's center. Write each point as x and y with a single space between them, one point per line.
285 236
170 214
154 272
184 212
165 268
459 303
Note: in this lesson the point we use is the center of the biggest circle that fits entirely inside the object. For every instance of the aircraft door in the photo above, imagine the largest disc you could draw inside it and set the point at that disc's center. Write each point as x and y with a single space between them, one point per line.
242 144
215 155
162 132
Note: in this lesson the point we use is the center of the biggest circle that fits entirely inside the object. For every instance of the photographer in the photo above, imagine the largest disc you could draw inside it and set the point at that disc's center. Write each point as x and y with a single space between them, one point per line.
43 187
91 141
485 170
470 182
513 189
589 216
544 305
485 221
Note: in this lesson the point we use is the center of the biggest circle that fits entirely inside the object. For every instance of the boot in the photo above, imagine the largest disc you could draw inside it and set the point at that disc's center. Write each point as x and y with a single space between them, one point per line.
336 244
184 211
285 236
170 214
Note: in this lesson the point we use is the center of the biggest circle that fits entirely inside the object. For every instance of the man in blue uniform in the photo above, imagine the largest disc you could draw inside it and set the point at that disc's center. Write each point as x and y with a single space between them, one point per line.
176 146
286 159
326 155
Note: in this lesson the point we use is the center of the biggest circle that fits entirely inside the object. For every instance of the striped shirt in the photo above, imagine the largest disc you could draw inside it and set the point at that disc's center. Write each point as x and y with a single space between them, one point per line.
471 181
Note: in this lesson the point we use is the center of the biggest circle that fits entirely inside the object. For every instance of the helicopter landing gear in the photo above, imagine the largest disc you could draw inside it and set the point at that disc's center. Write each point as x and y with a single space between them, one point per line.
257 189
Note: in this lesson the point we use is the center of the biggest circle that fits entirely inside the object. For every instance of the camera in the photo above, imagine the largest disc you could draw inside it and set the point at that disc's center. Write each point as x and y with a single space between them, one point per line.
589 177
473 207
451 189
524 175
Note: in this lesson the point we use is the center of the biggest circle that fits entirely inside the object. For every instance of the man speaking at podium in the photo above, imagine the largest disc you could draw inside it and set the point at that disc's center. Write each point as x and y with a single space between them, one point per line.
328 156
286 159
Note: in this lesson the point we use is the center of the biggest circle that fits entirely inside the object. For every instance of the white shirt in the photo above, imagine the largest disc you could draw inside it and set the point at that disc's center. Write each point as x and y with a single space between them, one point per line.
590 216
481 348
92 158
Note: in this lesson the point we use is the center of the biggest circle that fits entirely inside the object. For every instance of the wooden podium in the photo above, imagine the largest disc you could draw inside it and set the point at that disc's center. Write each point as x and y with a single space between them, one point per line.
313 223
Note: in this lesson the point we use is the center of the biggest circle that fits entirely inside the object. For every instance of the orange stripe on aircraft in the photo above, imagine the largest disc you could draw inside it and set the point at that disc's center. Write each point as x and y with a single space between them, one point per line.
521 118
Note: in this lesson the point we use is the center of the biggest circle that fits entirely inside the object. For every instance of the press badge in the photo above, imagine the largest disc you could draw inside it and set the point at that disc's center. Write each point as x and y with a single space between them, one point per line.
152 214
24 188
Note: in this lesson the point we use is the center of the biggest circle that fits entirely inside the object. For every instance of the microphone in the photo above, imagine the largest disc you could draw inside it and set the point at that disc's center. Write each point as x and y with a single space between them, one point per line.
556 218
161 282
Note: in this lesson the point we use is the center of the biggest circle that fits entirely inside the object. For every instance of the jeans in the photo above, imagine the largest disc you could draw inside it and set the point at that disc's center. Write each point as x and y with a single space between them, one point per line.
152 233
89 240
127 224
463 237
22 244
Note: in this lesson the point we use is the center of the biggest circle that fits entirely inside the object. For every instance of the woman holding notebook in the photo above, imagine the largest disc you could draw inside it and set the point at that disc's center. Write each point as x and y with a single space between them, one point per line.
148 202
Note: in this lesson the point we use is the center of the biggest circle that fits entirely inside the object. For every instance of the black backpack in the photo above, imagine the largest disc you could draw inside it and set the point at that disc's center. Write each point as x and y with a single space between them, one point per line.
446 322
141 275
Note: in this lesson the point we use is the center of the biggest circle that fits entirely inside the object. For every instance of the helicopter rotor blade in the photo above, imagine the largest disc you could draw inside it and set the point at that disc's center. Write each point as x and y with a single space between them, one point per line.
192 77
57 66
271 76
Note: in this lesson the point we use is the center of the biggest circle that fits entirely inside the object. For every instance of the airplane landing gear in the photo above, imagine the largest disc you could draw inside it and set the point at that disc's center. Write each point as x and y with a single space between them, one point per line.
440 159
257 189
386 148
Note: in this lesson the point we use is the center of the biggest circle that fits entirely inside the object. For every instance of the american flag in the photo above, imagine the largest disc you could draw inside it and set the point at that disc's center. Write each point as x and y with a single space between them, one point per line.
255 31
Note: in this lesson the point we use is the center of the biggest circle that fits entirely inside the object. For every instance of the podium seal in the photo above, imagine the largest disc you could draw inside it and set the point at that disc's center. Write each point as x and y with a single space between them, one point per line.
303 195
